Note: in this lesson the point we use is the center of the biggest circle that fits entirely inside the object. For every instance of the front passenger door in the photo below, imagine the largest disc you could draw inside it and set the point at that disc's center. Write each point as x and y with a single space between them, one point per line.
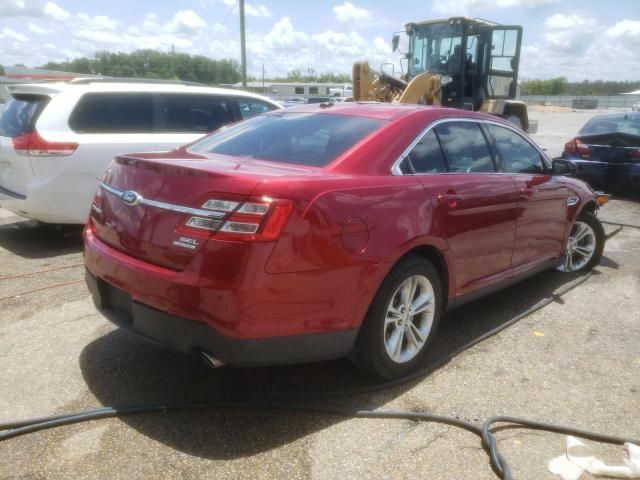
475 207
542 199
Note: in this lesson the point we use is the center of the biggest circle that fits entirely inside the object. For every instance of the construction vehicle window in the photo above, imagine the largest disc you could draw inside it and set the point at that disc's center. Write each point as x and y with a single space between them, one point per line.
426 156
503 49
518 155
433 46
465 147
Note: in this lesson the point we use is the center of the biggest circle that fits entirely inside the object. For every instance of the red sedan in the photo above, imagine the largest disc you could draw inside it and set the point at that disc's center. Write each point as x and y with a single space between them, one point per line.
322 231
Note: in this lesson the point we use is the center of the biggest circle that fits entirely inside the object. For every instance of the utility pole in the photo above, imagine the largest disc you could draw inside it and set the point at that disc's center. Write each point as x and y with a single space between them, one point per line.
243 49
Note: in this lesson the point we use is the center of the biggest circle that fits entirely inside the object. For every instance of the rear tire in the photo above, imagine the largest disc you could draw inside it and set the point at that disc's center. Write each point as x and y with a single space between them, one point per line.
584 245
401 321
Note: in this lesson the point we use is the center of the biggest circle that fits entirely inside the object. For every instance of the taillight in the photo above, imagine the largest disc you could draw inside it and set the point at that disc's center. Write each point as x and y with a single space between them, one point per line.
636 154
577 146
257 220
34 145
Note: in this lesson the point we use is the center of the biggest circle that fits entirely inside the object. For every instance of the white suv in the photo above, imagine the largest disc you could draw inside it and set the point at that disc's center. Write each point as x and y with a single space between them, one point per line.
56 139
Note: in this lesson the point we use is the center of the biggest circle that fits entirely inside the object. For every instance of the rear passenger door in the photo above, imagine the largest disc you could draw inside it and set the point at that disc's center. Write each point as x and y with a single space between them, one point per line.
182 118
474 206
542 202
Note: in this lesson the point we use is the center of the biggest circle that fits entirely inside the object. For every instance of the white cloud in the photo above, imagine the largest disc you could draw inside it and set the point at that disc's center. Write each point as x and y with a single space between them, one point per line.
578 47
573 21
463 7
33 28
625 28
348 12
20 8
257 11
9 34
185 21
53 10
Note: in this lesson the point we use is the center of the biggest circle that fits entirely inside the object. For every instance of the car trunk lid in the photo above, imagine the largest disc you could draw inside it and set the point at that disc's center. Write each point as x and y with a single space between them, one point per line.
149 222
615 147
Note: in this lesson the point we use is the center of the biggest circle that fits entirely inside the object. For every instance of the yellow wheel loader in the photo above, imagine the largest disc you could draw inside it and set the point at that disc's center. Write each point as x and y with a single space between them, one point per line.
464 63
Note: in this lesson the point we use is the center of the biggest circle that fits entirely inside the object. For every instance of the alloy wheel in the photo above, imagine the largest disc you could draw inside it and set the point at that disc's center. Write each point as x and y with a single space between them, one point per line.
580 248
409 318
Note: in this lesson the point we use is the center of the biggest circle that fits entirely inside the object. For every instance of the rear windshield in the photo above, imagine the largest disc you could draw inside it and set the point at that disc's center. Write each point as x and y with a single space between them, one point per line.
299 138
19 115
629 124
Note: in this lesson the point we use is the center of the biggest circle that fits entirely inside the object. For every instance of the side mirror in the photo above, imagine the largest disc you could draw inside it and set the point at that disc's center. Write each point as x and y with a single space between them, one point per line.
563 167
395 41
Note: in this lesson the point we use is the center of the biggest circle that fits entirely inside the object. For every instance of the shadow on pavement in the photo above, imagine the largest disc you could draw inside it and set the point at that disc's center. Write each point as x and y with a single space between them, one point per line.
120 369
31 239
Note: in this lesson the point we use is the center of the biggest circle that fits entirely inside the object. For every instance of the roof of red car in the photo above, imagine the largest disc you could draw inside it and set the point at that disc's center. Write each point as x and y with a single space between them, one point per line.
382 111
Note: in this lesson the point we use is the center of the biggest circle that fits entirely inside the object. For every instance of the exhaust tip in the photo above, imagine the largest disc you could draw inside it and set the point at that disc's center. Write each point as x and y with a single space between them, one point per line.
210 360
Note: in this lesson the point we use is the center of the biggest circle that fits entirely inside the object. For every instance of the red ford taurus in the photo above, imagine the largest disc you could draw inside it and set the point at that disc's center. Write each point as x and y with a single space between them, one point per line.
322 231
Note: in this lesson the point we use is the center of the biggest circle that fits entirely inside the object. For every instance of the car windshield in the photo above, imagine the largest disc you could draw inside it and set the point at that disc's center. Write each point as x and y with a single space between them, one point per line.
299 138
600 125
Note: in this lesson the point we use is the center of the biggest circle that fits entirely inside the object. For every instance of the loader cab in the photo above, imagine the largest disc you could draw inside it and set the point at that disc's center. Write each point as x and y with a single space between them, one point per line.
480 58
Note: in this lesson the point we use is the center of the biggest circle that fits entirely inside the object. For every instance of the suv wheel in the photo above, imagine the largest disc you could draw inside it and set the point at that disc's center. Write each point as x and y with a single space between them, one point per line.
401 321
584 246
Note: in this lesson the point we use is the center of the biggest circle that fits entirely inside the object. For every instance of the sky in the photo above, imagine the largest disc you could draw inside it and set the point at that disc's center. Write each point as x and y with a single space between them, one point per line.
577 39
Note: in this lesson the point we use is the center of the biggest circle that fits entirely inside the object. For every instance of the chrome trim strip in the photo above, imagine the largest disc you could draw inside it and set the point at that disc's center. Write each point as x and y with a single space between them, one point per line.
395 168
571 201
167 206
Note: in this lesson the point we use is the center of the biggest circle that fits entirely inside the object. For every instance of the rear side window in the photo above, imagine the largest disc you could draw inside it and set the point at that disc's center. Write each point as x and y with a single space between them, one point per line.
298 138
518 155
113 113
250 107
465 147
19 115
180 113
426 156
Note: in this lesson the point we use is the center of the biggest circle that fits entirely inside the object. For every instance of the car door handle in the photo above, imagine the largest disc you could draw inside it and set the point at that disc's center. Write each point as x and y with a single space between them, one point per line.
449 199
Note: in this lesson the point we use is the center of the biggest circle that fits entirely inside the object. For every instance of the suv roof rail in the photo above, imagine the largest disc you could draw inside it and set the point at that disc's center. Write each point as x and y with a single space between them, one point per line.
87 80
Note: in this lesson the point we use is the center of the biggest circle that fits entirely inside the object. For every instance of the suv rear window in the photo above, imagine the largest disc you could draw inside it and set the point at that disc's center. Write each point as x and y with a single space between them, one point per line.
19 115
113 113
298 138
192 113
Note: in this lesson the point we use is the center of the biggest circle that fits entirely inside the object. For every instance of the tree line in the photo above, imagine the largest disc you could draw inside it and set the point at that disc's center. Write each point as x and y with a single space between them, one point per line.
198 68
561 86
154 64
178 66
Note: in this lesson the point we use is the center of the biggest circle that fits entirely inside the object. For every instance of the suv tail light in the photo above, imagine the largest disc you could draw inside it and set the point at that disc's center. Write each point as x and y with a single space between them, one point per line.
34 145
256 220
577 146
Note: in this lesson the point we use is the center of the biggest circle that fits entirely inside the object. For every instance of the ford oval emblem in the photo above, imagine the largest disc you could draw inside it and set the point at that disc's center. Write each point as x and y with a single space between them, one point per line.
131 198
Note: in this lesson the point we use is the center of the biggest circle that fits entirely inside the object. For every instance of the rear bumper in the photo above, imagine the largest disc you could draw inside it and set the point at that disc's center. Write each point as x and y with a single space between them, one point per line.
53 198
190 337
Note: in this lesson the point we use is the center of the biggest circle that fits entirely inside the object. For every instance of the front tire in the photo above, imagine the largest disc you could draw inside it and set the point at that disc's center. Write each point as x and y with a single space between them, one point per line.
401 321
584 245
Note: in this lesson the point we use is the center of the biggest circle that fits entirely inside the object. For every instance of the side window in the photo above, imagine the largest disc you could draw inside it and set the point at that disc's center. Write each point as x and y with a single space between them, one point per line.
250 107
299 90
113 113
426 156
180 113
465 147
518 155
313 90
